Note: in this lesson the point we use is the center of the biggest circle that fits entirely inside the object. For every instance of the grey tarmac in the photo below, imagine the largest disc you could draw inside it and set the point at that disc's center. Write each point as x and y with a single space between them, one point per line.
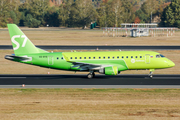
80 81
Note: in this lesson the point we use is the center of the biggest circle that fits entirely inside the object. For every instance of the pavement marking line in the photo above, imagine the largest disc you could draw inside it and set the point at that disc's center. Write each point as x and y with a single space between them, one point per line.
166 78
12 77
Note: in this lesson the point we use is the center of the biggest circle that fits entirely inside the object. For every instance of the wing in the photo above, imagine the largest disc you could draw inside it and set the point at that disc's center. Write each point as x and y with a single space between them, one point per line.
85 66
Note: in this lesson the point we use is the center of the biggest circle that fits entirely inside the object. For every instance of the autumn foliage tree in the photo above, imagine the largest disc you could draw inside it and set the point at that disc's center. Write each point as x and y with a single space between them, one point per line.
81 13
137 20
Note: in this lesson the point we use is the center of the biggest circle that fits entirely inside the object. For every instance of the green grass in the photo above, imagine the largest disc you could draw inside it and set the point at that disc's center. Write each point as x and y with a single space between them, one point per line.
89 104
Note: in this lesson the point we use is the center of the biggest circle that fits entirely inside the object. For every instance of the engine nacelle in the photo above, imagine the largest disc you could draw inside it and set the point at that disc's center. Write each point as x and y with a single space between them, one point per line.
111 70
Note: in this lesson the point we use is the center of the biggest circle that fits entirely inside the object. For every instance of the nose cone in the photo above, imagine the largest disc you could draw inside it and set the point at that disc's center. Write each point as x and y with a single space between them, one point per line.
171 64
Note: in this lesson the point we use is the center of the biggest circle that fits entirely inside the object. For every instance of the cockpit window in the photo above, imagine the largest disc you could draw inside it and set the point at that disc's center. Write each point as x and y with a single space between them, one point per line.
162 55
158 56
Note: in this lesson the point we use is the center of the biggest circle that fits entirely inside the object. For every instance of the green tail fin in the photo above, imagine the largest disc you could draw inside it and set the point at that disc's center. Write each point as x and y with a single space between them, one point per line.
21 44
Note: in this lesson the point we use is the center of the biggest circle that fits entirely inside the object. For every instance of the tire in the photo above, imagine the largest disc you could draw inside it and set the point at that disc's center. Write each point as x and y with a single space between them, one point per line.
151 76
90 76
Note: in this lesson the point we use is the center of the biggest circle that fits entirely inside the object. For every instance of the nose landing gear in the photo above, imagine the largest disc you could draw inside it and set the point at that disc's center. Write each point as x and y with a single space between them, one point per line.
151 72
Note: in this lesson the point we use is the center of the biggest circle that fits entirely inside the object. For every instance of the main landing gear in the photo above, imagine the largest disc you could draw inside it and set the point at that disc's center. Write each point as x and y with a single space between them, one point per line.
91 75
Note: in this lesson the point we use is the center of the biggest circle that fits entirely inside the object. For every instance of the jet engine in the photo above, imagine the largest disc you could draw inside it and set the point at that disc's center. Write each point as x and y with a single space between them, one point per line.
111 70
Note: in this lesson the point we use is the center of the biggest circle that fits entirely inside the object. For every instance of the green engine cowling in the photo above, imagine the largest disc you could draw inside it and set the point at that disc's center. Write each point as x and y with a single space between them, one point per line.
112 70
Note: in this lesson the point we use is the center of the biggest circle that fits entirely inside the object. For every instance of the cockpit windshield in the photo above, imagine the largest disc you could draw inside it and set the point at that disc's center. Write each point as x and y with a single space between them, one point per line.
158 56
162 55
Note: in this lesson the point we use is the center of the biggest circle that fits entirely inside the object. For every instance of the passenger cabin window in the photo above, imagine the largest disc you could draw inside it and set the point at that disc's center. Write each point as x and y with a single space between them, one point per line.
104 57
113 57
62 58
126 56
131 56
75 57
57 58
71 58
94 57
84 57
122 56
117 57
99 57
80 58
136 57
108 57
89 57
140 56
158 56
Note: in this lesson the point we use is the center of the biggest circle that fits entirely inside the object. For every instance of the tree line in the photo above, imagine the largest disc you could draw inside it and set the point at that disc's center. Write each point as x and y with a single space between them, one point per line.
80 13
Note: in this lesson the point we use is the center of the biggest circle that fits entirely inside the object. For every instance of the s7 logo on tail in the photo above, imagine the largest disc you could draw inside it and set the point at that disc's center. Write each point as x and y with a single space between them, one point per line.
17 43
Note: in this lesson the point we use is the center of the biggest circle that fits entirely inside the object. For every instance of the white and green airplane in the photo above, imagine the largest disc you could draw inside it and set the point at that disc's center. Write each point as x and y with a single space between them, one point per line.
108 63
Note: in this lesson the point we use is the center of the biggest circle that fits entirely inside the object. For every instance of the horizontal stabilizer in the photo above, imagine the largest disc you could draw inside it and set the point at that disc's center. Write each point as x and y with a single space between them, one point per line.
18 58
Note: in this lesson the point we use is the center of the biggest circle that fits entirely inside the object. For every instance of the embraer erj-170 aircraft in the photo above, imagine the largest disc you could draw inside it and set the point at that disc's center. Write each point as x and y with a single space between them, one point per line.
108 63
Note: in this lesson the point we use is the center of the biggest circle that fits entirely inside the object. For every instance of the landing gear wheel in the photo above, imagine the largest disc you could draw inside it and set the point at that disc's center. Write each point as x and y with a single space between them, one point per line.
150 74
90 75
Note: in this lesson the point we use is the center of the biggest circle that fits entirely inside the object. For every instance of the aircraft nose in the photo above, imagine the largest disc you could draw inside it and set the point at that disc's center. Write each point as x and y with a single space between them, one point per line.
171 64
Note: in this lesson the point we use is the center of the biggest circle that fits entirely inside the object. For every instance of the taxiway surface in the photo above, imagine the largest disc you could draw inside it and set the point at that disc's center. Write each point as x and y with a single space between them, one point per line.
80 81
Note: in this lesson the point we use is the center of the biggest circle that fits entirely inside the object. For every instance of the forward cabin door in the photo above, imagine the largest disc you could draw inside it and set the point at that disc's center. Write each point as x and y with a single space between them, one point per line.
50 60
147 58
